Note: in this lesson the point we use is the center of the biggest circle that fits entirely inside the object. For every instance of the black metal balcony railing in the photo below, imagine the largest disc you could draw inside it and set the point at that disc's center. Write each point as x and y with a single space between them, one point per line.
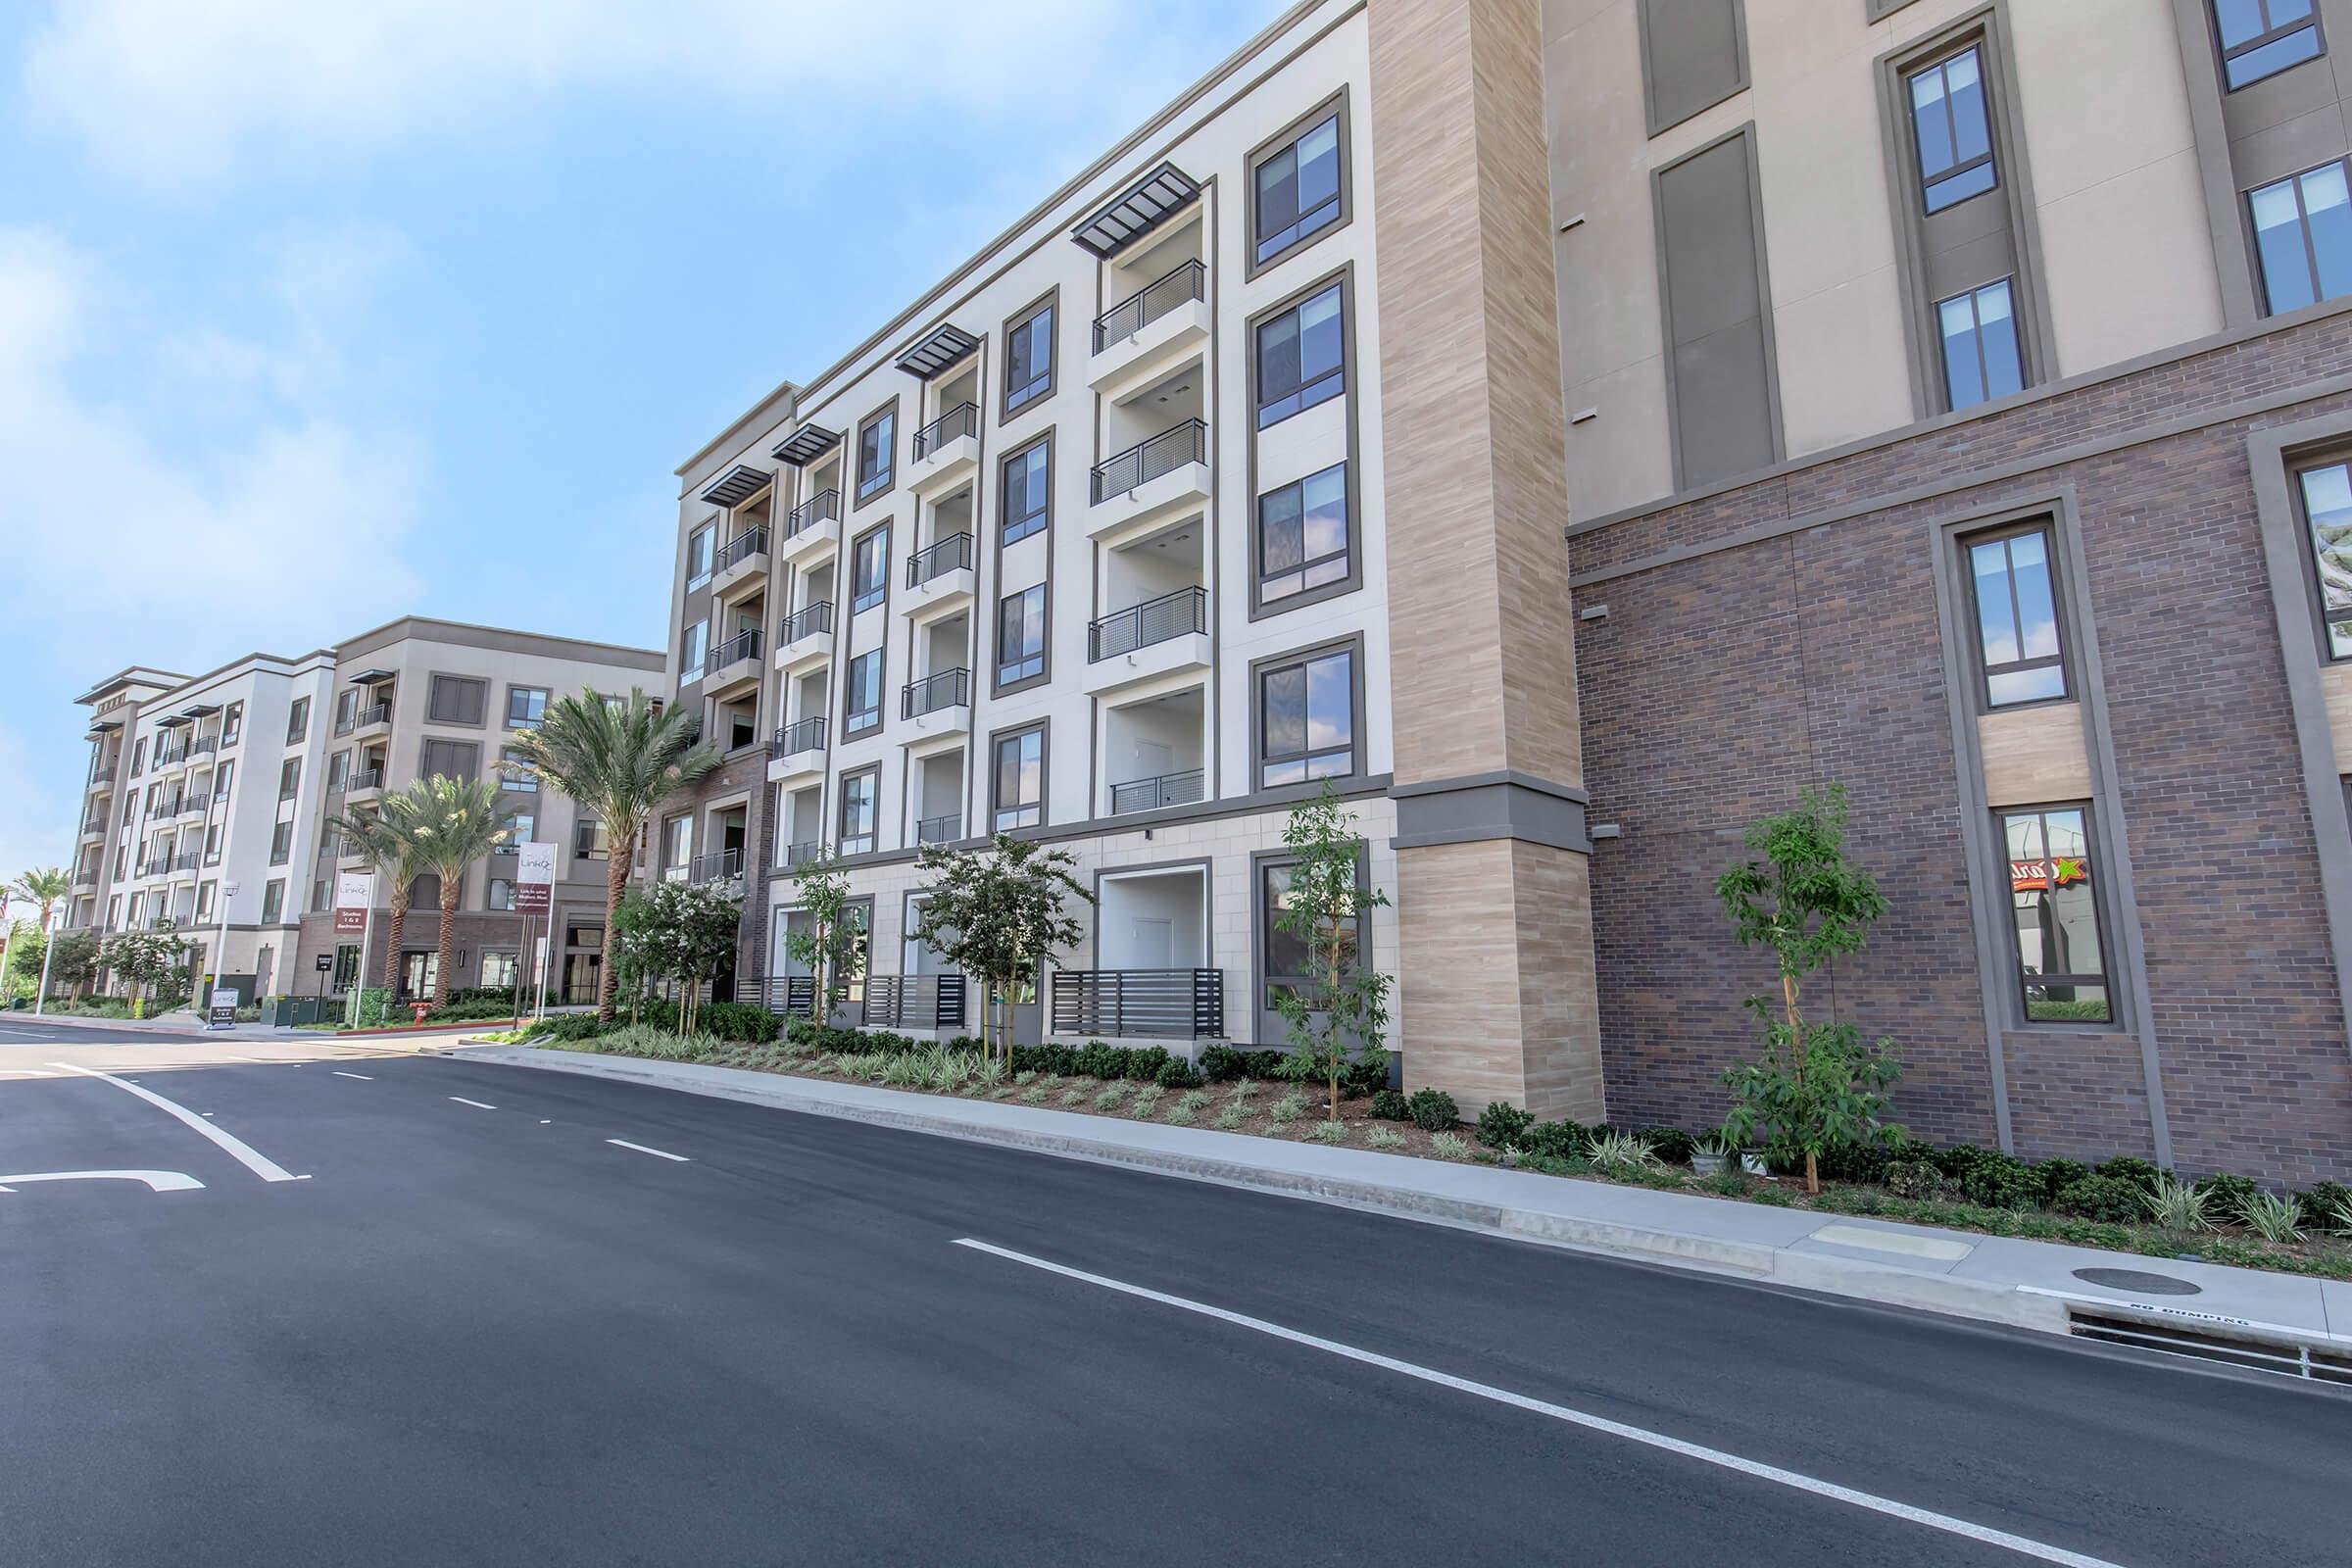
808 735
807 621
1156 299
102 776
195 802
939 829
376 713
914 1002
822 507
204 745
714 866
368 778
744 645
752 541
952 553
948 688
167 805
802 853
1140 1003
164 758
958 421
188 862
1147 461
790 993
1154 621
1150 794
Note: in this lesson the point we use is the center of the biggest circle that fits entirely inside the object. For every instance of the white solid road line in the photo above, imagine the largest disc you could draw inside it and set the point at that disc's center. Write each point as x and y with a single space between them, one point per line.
658 1153
2020 1544
361 1076
243 1153
158 1181
476 1104
25 1072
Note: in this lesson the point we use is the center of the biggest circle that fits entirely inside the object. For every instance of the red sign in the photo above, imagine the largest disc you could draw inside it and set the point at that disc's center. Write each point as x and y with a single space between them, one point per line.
2063 871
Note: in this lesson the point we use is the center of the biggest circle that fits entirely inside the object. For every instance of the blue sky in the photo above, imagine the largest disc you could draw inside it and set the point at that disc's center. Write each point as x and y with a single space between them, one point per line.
314 315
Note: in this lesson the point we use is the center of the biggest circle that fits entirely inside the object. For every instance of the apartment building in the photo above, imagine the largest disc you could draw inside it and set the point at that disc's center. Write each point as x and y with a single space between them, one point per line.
1956 406
211 799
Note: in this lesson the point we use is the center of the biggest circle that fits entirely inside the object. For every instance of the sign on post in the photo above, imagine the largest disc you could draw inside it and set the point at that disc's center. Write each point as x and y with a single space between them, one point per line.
535 878
355 894
223 1013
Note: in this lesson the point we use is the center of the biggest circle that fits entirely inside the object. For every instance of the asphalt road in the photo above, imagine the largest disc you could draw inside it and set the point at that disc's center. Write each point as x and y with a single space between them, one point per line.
487 1333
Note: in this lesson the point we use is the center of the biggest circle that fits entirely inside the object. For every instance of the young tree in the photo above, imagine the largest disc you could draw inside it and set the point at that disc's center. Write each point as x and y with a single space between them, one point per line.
388 851
1820 1086
1345 1013
828 949
74 959
452 823
998 914
694 927
147 960
633 949
619 760
20 959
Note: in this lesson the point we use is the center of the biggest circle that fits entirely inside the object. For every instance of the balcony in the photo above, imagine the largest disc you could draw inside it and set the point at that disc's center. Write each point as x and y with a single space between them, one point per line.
195 803
364 782
346 847
85 879
1155 794
805 638
734 666
204 745
1140 1003
793 994
188 862
715 866
914 1002
102 778
164 805
798 750
940 829
1155 479
939 578
1150 332
946 450
802 853
742 561
809 530
93 829
938 706
1163 636
373 717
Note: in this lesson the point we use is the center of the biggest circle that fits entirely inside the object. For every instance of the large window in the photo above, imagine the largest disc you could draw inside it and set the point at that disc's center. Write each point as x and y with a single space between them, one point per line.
1289 968
526 707
1952 128
694 648
1307 719
501 895
1021 636
1303 535
457 699
273 901
500 969
1028 490
511 774
232 724
858 812
298 720
2263 37
1296 190
281 843
2303 238
1300 358
458 760
1029 359
289 778
869 569
862 708
338 771
1980 360
1021 783
877 446
2016 600
590 839
699 546
2057 917
2328 514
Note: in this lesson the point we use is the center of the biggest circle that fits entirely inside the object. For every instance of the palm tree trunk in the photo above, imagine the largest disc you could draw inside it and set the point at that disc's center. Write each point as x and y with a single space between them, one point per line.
444 953
621 846
393 927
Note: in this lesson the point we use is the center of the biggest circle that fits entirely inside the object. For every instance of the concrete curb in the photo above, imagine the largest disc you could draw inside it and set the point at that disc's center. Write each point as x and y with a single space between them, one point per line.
1852 1279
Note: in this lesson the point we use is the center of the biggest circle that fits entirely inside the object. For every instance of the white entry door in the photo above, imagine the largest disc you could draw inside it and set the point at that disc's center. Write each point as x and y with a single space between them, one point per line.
1153 944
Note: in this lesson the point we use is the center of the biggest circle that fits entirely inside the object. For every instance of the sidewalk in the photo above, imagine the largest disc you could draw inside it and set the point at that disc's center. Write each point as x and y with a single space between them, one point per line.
182 1022
1990 1278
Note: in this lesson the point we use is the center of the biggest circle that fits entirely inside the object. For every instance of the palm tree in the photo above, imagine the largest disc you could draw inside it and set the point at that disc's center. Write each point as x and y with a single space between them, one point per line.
44 888
384 843
453 824
621 761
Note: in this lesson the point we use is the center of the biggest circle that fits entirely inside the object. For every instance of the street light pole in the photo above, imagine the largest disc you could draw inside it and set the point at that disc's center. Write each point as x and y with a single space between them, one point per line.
40 995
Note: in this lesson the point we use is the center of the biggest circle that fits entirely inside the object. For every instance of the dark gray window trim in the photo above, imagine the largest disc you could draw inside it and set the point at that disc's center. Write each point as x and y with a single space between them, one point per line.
851 500
844 586
2061 596
434 677
1876 10
1923 342
1358 720
1044 772
2220 58
2315 603
506 718
996 642
2232 255
1260 860
1344 277
1272 146
696 581
1005 416
426 742
1091 946
1349 371
1650 94
2100 901
1052 481
881 654
1772 357
841 805
2246 223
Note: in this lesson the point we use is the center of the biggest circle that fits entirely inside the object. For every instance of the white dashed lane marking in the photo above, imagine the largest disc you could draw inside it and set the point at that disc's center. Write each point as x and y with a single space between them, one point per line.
361 1076
476 1104
657 1154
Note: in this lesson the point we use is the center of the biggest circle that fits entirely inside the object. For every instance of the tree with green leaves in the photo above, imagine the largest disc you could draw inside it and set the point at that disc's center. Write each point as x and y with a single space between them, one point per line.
829 946
42 886
997 913
619 760
20 959
148 961
387 850
1325 903
633 949
74 959
452 823
690 933
1820 1086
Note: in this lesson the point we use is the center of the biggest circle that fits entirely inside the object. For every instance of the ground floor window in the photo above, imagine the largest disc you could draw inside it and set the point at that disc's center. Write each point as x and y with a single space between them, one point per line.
2055 915
419 971
500 969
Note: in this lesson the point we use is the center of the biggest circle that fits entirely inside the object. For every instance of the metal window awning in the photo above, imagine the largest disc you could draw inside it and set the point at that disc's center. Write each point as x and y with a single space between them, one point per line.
737 485
200 711
101 726
943 348
1135 212
173 721
372 677
807 444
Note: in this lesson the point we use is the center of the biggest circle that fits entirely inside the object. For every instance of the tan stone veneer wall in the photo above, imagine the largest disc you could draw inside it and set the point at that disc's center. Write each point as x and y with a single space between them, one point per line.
1497 999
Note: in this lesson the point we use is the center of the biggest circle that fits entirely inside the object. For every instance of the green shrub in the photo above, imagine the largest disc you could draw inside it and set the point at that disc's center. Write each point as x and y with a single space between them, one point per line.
2059 1174
1670 1143
1230 1118
1099 1058
1958 1160
1385 1138
1861 1163
1144 1063
2130 1168
2324 1198
738 1020
2228 1195
1625 1155
1502 1125
1773 1196
1556 1140
565 1026
1290 1107
1914 1178
2272 1217
1330 1132
2176 1207
2112 1199
1447 1146
1220 1062
644 1040
1433 1110
1389 1105
2003 1181
1178 1073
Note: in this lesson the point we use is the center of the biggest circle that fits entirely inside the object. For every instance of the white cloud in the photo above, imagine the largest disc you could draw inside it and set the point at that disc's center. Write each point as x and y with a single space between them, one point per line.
179 94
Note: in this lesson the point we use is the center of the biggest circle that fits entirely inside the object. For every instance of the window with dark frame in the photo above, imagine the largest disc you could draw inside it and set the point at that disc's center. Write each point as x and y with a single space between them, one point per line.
456 760
700 547
859 811
289 778
1021 783
511 777
281 843
2326 495
273 901
589 839
2303 237
232 724
1029 359
501 895
1307 719
526 707
1296 190
869 570
862 690
2015 593
1951 128
1303 535
1286 965
2061 961
298 720
693 649
877 445
1302 358
1980 359
1028 488
2259 38
338 771
457 699
1021 635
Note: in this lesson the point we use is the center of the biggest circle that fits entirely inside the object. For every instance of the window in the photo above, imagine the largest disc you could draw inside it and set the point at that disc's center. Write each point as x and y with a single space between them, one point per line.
1029 358
1299 358
521 826
589 840
457 699
449 759
1020 795
862 694
281 843
502 894
1283 956
298 720
509 775
222 777
2263 37
1021 636
693 644
1296 190
338 771
677 841
212 843
2303 238
114 911
1979 345
1303 535
273 901
2057 917
2327 513
869 569
289 778
2017 616
1952 129
1307 719
322 898
501 970
699 546
347 709
232 724
206 894
526 706
138 757
877 446
1028 488
857 790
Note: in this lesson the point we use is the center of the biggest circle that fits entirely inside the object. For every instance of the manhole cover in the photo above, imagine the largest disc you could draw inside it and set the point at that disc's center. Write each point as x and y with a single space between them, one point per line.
2132 1279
